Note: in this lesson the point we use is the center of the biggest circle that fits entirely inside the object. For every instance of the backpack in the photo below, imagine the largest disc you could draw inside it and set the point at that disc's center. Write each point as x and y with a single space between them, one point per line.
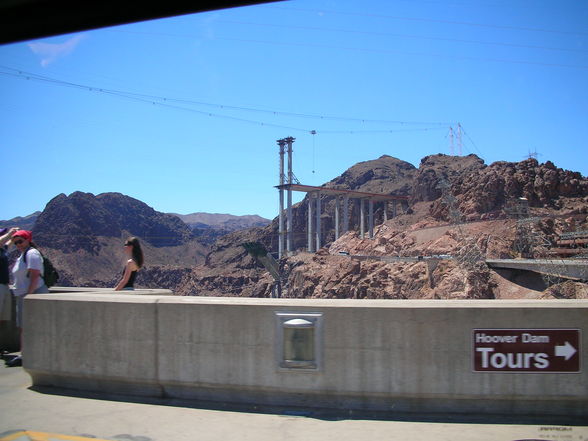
50 274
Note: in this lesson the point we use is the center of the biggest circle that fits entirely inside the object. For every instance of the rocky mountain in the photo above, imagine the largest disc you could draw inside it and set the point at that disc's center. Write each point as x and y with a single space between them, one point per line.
83 235
23 222
224 221
208 227
74 222
481 190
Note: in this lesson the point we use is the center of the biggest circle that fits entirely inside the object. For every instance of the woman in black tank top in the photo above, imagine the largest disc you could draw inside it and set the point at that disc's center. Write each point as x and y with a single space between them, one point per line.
134 263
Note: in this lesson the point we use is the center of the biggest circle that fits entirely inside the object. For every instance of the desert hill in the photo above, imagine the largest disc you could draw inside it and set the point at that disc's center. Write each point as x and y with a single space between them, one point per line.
75 221
208 227
219 220
83 235
24 222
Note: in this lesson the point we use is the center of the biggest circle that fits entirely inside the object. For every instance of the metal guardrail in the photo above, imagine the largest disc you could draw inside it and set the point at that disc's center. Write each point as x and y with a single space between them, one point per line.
400 259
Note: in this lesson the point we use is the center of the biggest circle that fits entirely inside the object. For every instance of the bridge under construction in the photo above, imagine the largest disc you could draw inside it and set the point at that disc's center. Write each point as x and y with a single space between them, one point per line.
289 183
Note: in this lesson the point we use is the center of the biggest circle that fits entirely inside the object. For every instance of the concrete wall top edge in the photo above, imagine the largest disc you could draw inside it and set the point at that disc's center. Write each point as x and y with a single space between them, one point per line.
165 298
79 290
96 297
368 303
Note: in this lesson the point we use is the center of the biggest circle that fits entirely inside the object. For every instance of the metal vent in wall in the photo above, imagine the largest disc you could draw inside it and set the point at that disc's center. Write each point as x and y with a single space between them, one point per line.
299 341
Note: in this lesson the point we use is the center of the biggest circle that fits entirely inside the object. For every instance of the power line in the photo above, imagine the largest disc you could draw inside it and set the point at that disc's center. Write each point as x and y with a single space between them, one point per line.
420 54
364 49
389 34
472 141
351 132
431 20
166 102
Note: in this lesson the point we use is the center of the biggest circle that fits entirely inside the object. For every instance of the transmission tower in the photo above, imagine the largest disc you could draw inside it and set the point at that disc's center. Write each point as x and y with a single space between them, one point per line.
469 254
455 138
524 242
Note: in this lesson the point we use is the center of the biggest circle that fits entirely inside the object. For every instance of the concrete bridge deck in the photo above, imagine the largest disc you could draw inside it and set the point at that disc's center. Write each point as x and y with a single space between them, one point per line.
576 269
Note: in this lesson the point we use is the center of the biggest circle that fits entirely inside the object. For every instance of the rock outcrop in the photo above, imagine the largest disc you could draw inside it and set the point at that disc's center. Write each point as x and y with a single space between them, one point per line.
75 222
83 236
481 190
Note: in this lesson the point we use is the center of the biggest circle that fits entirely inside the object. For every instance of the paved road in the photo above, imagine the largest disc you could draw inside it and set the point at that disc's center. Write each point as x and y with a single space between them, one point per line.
27 414
575 269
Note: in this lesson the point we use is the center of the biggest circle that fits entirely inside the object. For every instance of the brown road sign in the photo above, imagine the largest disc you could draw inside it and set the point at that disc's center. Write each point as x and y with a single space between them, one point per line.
526 350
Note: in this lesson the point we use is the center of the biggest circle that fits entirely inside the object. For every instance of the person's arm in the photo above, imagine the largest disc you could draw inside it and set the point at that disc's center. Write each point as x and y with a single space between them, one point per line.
34 276
126 275
34 267
6 237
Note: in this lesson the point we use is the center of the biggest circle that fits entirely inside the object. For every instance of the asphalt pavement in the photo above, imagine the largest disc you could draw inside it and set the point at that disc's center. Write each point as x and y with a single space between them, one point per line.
32 414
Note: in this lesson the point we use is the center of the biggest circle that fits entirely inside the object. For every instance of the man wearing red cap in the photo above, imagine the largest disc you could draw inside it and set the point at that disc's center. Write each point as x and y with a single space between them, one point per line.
27 274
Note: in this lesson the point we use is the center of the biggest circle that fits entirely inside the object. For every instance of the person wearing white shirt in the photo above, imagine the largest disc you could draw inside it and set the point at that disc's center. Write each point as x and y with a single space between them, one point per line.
27 275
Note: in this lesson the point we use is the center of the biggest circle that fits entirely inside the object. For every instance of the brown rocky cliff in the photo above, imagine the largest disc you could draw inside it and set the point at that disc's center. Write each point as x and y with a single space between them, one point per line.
435 168
481 189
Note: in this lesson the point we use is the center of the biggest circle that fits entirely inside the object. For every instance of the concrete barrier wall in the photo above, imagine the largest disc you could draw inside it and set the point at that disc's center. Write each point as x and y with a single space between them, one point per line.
9 335
374 355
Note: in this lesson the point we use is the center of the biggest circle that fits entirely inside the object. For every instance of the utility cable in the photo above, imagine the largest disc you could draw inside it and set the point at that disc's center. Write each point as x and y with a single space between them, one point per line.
418 54
389 34
166 102
472 141
430 20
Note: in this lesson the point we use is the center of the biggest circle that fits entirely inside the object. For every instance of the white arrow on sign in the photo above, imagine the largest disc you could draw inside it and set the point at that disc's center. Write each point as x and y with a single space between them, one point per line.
566 351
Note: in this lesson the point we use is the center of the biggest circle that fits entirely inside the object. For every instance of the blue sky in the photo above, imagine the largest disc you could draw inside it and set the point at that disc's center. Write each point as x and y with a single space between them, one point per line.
183 113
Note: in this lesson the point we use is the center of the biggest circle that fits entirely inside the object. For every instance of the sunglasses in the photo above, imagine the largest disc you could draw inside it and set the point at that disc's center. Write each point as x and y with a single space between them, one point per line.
18 242
128 244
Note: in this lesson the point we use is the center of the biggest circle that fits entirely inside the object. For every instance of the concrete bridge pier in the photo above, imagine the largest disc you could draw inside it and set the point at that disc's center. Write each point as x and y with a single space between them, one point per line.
345 214
289 142
281 224
337 220
431 265
318 221
371 218
309 235
362 218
